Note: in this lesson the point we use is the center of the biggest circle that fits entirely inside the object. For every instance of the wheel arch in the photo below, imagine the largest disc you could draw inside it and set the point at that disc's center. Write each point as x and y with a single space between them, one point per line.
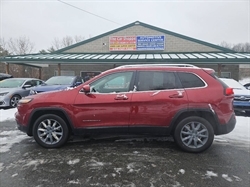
42 111
200 112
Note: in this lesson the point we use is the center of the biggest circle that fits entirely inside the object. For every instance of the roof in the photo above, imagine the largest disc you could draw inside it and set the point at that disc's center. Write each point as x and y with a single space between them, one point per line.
130 58
147 26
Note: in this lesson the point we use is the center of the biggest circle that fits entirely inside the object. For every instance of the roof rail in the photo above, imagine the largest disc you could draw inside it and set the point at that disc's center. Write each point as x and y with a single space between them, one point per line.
150 65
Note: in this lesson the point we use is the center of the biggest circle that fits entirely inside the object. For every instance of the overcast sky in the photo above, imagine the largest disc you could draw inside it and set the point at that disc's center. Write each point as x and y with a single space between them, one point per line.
42 21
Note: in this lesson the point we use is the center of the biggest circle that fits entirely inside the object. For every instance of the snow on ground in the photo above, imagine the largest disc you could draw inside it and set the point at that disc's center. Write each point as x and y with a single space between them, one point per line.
240 135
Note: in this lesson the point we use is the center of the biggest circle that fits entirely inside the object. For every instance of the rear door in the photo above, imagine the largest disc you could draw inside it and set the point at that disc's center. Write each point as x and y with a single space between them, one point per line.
158 97
108 103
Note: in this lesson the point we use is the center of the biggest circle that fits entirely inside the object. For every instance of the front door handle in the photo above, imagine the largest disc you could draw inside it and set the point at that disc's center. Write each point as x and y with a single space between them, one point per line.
121 97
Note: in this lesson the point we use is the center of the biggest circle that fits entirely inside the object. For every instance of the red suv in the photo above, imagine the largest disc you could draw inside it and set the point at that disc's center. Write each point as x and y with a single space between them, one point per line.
184 101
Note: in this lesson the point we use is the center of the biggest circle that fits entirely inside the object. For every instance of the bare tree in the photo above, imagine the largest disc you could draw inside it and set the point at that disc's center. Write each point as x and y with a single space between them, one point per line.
240 47
65 42
20 46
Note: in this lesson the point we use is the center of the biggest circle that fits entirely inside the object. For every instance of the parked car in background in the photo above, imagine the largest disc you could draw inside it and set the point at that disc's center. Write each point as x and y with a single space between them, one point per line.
13 89
241 101
247 86
5 76
58 83
159 100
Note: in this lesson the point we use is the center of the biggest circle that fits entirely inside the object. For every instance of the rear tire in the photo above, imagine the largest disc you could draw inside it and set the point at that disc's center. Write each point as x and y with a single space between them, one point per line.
194 134
50 131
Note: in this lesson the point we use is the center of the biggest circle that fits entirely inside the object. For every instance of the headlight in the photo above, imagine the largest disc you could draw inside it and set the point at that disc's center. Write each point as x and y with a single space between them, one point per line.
33 92
3 94
24 100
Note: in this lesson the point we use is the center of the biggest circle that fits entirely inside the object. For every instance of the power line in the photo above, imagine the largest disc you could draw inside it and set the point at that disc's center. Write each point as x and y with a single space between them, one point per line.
88 12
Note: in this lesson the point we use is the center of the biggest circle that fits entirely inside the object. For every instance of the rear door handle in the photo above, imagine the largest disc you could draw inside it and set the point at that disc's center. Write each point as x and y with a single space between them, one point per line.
177 95
121 97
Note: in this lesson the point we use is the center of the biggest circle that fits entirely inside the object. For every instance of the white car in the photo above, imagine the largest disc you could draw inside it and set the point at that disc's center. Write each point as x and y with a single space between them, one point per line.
241 96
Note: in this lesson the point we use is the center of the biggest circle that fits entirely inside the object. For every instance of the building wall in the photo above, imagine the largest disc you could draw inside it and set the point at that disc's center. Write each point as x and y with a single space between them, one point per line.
172 43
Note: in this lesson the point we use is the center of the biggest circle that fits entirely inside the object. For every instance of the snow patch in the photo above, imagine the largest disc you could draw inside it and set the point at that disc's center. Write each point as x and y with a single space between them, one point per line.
72 162
14 175
118 170
237 178
226 177
210 174
1 167
181 171
8 138
74 181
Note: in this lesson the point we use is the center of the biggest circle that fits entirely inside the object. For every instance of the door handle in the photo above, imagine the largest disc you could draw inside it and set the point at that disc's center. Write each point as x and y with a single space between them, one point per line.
177 95
121 97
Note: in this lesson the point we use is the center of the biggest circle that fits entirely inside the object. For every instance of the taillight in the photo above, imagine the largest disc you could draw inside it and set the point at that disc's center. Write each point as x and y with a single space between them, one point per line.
229 91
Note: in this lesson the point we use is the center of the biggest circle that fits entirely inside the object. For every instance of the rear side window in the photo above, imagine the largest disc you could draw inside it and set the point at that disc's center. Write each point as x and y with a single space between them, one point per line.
156 80
189 80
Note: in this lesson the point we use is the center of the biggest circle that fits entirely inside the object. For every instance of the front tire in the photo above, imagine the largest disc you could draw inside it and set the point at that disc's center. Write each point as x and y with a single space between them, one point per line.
50 131
194 134
14 100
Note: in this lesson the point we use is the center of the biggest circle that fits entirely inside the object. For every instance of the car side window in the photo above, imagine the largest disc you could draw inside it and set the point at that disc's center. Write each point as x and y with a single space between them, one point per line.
117 82
156 80
28 83
190 80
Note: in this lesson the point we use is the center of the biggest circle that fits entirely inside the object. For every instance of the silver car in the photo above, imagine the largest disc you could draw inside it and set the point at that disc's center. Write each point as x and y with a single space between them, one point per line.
13 89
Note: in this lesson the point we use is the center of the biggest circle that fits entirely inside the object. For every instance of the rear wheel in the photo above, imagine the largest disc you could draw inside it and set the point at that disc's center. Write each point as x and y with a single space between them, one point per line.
194 134
14 100
50 131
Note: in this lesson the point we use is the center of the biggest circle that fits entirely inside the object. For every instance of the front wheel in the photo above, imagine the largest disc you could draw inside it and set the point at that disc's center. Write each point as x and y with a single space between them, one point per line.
194 134
14 100
50 131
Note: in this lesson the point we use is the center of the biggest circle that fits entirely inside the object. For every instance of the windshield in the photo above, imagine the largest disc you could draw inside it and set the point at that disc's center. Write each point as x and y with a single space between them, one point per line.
60 80
11 83
233 84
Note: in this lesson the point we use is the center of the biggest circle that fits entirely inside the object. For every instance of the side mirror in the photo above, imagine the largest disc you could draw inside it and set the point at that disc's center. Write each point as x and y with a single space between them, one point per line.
86 88
27 86
77 83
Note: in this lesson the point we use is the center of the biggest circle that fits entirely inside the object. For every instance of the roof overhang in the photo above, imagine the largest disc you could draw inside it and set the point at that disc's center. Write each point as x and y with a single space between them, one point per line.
41 60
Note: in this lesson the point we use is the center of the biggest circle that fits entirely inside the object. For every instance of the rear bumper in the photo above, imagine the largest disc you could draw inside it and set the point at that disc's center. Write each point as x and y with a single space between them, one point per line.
228 127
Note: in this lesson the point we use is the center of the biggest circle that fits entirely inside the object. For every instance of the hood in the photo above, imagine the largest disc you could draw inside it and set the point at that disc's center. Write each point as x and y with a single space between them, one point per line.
46 88
2 90
241 92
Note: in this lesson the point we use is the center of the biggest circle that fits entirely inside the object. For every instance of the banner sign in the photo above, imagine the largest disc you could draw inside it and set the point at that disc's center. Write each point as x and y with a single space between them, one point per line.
122 43
133 43
150 42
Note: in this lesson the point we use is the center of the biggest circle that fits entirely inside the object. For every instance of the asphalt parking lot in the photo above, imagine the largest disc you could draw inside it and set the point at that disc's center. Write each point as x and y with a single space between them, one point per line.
116 162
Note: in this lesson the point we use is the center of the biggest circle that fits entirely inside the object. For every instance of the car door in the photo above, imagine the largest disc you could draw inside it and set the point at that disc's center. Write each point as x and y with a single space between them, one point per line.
158 97
107 104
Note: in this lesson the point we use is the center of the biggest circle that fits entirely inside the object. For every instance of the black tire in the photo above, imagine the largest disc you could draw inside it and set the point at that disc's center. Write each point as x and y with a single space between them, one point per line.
50 131
247 113
194 134
14 100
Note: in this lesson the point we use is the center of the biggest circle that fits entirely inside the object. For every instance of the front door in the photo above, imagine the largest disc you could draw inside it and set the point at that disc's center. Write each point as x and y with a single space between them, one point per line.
108 103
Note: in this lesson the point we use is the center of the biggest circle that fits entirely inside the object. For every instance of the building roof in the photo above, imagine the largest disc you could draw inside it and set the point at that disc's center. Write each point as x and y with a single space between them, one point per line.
130 58
147 26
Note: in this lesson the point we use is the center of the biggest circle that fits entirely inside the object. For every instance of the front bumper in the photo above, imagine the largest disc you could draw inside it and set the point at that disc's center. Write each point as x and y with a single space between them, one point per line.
226 128
241 105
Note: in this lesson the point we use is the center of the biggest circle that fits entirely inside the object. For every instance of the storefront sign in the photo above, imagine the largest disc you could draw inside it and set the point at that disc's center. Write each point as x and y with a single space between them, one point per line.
150 42
133 43
122 43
